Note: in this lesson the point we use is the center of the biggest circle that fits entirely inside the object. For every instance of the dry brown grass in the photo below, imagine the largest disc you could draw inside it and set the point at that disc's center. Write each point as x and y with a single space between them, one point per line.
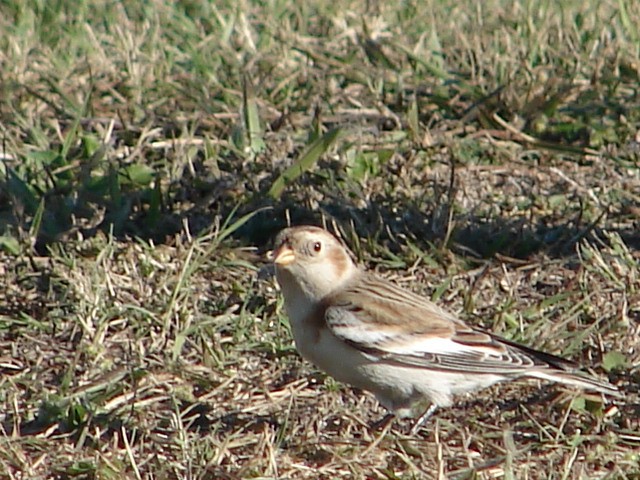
486 157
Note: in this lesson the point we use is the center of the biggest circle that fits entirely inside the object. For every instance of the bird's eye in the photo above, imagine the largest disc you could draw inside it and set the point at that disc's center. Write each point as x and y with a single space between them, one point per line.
317 246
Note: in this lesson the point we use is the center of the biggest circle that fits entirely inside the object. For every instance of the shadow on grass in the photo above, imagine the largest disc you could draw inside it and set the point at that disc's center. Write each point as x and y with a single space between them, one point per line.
390 220
431 229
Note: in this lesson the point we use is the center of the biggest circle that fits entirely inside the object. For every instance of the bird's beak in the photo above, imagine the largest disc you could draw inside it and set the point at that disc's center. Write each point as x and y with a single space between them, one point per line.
283 256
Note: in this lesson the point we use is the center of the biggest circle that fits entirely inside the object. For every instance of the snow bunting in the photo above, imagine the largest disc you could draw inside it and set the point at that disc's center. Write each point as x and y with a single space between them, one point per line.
370 333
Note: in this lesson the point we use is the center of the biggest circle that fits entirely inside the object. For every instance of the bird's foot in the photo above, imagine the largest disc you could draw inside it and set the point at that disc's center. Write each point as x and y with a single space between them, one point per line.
383 422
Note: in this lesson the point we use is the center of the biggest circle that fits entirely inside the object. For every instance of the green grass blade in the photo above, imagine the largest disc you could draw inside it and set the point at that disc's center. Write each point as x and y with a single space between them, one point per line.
37 220
228 228
252 122
305 161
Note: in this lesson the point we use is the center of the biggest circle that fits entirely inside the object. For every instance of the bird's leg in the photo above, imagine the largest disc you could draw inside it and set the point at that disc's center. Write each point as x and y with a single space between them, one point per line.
423 418
383 422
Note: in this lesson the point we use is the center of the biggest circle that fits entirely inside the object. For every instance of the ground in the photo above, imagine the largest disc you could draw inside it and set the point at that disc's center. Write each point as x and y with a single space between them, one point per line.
485 155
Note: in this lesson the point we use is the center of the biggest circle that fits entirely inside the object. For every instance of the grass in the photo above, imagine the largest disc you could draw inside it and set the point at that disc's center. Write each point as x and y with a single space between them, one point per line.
483 154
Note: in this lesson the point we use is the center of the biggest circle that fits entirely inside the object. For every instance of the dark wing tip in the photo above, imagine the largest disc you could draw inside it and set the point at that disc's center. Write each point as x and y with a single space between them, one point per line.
538 356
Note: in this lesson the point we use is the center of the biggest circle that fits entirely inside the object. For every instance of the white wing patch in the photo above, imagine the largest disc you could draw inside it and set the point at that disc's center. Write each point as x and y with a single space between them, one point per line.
364 336
435 345
346 325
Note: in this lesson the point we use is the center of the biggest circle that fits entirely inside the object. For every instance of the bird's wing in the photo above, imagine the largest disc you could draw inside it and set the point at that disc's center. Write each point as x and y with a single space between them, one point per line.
395 325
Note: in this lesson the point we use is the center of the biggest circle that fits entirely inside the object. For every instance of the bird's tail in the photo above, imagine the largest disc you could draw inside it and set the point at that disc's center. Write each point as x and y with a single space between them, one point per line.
577 379
557 369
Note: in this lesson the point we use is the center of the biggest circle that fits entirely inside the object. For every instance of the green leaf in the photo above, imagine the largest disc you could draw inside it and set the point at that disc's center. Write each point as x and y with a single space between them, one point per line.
91 145
137 174
22 192
10 245
305 161
361 165
42 158
76 414
439 291
579 404
98 186
613 361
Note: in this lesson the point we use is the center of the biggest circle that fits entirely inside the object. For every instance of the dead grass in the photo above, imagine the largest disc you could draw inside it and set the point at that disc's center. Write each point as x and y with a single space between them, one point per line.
484 154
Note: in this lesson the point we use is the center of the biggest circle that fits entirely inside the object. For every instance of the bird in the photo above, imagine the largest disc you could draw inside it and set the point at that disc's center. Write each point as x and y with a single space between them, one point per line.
375 335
